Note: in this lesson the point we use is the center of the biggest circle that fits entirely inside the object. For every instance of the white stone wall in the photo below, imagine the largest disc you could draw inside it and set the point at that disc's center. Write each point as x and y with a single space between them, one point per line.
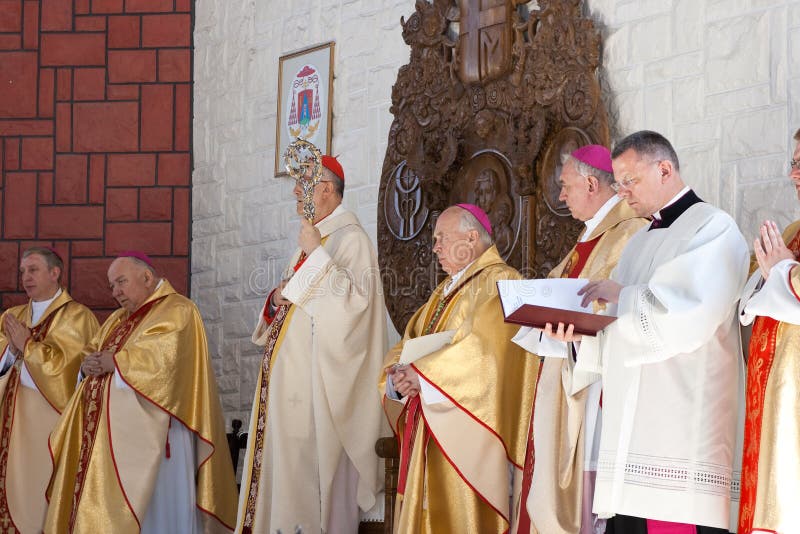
718 77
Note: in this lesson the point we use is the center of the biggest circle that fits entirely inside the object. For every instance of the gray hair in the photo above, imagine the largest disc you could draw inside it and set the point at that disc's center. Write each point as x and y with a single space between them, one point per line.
338 183
648 143
50 258
584 169
140 263
469 222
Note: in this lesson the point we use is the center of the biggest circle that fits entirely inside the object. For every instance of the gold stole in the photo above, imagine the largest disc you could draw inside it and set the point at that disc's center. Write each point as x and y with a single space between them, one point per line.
92 399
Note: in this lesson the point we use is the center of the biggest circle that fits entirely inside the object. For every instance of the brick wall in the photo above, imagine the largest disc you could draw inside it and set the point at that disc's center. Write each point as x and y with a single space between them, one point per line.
95 153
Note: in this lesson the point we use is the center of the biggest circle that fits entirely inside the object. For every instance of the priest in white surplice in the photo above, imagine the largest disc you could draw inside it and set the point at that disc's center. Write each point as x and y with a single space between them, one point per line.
310 461
671 364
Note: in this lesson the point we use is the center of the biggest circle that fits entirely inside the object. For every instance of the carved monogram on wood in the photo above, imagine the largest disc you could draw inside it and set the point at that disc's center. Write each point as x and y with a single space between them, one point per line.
494 93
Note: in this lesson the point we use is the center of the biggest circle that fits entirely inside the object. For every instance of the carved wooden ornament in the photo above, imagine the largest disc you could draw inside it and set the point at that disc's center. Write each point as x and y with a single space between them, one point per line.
494 93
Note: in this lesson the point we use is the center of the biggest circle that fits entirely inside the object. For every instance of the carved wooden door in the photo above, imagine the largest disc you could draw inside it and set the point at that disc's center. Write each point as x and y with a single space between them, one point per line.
494 93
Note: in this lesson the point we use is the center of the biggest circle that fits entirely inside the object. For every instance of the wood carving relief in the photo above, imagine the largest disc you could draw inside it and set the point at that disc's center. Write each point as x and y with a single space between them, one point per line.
494 93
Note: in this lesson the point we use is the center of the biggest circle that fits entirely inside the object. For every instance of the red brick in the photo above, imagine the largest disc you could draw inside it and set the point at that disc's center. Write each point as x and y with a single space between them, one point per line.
90 84
125 66
25 127
122 204
63 84
56 15
30 35
173 169
45 188
183 116
97 178
20 205
107 6
37 153
123 92
14 299
123 31
18 88
46 92
9 266
71 178
152 238
87 248
176 270
10 15
62 249
183 5
68 222
155 204
148 6
82 7
11 154
131 169
64 49
10 41
174 65
166 30
63 127
90 24
89 282
157 117
181 227
106 127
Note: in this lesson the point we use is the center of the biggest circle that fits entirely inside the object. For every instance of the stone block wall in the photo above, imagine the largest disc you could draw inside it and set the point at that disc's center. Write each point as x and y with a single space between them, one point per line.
95 139
717 77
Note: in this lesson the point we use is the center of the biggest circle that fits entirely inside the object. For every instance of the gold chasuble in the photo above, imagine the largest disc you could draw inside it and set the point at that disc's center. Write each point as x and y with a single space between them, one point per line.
553 482
49 365
110 442
462 453
771 456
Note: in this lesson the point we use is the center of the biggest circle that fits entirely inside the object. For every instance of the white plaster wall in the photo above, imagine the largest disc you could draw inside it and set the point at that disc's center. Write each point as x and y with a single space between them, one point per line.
718 77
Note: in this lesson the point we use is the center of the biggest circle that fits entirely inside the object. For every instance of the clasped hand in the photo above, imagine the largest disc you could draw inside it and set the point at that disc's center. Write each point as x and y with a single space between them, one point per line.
17 334
98 363
405 380
770 248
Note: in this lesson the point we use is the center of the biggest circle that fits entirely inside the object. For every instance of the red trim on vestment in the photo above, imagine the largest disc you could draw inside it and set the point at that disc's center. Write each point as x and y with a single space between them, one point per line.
113 458
789 279
508 456
265 313
524 522
9 414
762 355
455 467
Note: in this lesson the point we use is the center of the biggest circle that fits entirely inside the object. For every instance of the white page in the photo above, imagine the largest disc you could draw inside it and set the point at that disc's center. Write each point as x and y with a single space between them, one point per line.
417 347
561 293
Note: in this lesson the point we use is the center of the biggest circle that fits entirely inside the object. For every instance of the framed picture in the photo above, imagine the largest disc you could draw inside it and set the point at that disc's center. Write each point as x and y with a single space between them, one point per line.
305 100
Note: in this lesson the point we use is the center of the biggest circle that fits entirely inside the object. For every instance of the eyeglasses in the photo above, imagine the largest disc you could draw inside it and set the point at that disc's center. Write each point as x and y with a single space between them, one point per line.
794 165
625 184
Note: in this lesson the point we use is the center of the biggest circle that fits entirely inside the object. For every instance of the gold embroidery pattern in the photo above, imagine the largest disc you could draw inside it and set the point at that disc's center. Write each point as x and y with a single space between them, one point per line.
9 400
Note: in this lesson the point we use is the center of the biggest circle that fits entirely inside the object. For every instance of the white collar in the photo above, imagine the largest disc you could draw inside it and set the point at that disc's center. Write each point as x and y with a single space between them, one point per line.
38 308
455 278
657 215
338 211
598 217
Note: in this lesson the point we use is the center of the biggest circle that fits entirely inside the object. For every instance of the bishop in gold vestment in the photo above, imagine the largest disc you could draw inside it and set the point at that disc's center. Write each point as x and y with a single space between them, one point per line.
463 420
149 375
40 344
558 482
771 456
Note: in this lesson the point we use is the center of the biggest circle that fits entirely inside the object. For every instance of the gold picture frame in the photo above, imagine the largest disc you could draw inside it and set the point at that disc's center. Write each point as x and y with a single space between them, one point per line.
305 100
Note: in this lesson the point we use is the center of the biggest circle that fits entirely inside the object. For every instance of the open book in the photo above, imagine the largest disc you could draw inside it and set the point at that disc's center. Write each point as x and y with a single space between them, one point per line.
550 300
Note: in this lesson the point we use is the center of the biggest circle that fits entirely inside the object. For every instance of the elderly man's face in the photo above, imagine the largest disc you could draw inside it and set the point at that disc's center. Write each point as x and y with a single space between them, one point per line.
575 192
130 283
640 182
40 281
453 246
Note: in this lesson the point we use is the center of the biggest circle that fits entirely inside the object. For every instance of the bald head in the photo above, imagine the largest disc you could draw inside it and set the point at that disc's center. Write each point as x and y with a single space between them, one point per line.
458 239
132 282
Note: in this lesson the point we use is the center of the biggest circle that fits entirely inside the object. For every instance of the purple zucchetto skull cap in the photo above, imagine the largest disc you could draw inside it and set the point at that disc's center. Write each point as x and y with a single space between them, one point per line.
479 214
138 255
596 156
